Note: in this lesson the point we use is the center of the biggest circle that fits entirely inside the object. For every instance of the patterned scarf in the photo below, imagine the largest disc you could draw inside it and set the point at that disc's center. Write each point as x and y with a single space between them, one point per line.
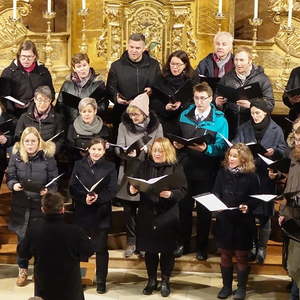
221 63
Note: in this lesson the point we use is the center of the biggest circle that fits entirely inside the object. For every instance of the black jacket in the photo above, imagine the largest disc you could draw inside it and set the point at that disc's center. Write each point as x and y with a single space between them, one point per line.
293 83
159 100
47 128
272 138
57 249
23 84
71 87
234 230
235 114
97 215
158 218
40 168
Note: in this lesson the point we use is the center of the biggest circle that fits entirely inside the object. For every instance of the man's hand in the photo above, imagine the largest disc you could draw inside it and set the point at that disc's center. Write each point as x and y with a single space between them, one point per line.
165 194
121 100
220 101
243 103
178 145
243 208
295 99
201 147
17 187
270 152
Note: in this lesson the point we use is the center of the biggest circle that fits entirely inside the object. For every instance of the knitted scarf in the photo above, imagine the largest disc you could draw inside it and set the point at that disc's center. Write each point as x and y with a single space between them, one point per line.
88 129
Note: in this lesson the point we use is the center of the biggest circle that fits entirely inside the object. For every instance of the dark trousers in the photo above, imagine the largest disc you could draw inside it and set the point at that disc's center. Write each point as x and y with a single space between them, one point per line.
102 256
186 206
166 261
294 291
130 213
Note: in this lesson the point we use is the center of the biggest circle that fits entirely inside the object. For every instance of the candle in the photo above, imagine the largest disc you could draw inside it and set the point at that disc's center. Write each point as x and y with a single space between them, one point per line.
49 8
220 8
14 9
83 4
290 13
255 13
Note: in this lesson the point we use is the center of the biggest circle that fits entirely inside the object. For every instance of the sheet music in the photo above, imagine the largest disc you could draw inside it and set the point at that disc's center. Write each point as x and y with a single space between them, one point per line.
212 202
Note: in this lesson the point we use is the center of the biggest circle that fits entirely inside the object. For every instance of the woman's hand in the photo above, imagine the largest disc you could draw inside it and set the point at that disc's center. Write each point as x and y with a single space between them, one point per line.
270 152
220 101
243 208
132 153
17 187
272 175
3 139
178 145
243 103
91 198
281 219
43 192
165 194
133 190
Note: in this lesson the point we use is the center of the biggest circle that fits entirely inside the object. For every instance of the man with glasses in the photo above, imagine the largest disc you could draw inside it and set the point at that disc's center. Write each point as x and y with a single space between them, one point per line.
200 162
25 74
41 115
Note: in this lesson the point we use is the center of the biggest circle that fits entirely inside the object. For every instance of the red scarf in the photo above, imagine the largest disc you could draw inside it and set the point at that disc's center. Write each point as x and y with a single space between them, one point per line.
30 69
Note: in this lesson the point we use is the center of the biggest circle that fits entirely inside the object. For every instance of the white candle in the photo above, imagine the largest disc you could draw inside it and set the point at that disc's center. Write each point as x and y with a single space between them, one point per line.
220 7
290 13
83 4
255 12
49 8
14 9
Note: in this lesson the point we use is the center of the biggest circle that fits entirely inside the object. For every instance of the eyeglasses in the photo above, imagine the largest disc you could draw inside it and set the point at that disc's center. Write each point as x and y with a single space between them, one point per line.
27 57
40 101
201 99
176 65
132 115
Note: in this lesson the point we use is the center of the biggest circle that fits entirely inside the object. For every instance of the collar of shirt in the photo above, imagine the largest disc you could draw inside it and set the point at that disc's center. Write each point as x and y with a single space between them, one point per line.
200 116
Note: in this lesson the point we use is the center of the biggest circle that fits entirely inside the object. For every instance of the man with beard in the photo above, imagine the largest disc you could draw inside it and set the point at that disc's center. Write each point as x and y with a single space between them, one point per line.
290 209
244 73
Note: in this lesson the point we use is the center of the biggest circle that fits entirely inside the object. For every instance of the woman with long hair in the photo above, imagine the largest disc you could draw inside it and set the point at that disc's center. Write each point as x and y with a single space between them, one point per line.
234 184
32 162
93 209
158 214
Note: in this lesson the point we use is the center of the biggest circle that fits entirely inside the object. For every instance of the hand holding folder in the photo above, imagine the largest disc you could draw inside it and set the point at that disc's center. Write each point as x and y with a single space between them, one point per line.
90 190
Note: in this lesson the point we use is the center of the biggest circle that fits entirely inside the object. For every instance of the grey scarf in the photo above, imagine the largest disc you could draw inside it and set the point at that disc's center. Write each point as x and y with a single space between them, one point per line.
221 65
88 129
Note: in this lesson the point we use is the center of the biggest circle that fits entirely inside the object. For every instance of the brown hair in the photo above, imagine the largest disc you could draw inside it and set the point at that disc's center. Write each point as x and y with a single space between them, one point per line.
167 147
244 49
96 140
245 157
203 87
137 37
52 203
78 57
43 90
188 71
28 45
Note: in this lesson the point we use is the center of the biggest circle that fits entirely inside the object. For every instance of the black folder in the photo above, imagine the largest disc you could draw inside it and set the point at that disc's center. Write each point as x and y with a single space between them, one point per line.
291 228
246 92
256 148
35 186
92 188
183 94
5 126
212 81
208 137
131 97
55 136
4 86
293 92
157 184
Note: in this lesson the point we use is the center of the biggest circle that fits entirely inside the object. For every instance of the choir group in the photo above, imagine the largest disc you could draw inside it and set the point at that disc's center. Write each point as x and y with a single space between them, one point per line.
172 135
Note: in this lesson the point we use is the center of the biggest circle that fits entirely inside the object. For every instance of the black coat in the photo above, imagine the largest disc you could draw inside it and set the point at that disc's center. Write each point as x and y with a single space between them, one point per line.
71 87
57 249
235 230
273 138
235 114
158 218
130 79
23 84
164 87
97 215
25 205
47 128
293 83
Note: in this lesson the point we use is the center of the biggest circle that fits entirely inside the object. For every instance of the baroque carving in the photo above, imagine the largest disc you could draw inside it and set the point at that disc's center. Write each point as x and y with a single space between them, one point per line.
281 6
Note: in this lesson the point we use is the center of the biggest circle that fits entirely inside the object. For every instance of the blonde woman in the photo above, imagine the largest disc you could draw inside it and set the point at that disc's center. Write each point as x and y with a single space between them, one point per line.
32 161
158 214
234 228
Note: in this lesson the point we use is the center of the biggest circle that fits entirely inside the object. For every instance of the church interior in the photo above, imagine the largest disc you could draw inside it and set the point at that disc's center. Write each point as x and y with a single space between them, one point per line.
100 28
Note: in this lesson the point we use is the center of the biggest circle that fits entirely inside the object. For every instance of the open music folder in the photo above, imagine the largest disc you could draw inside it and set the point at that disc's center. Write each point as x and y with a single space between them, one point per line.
212 202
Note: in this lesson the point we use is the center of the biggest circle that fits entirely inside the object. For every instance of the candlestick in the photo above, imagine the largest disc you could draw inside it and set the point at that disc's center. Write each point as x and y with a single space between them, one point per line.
83 46
220 7
219 18
83 6
14 16
14 48
290 13
255 22
255 12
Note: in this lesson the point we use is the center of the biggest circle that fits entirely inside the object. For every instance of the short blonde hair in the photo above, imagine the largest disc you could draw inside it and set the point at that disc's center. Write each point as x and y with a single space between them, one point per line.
167 147
131 109
245 157
87 101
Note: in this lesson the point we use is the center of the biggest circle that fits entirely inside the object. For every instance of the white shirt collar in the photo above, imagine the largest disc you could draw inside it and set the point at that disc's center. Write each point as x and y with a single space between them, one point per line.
202 115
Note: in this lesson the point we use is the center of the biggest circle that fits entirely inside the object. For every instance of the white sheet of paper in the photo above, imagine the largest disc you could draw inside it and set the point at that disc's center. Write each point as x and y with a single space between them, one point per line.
268 161
264 197
212 202
14 100
149 181
226 140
